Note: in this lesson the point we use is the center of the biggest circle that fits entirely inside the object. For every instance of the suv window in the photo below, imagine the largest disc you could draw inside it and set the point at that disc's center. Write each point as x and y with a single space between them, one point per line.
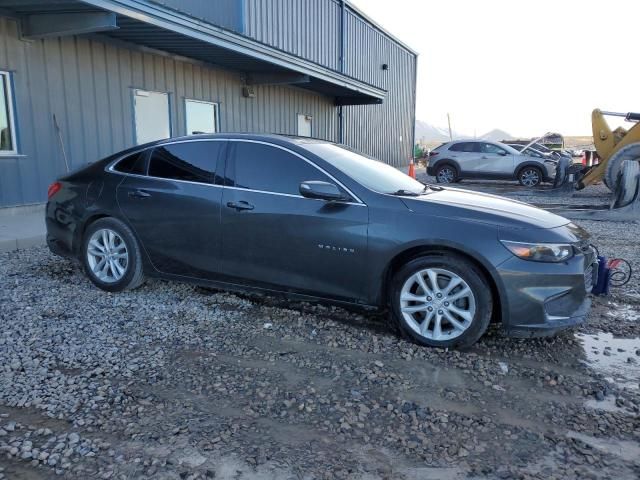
191 161
134 163
468 147
490 148
262 167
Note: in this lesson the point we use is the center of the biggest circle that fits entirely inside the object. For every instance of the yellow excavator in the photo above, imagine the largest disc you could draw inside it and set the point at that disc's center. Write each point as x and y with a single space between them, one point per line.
613 147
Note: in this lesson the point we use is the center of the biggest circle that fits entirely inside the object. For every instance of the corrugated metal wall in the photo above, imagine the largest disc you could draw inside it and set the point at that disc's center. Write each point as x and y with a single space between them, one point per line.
88 85
311 29
307 28
383 131
224 13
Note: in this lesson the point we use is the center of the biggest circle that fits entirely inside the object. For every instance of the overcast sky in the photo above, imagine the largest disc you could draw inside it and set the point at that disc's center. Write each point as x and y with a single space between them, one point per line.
523 66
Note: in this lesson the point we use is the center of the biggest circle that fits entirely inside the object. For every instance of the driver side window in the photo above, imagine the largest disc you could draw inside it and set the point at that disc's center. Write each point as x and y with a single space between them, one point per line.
493 149
261 167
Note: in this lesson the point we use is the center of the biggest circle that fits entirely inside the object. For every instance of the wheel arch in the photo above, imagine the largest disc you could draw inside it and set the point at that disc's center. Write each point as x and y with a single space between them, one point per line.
447 161
526 164
416 251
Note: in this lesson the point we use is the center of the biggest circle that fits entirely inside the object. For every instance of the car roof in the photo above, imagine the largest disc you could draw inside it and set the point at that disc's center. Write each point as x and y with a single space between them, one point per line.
268 137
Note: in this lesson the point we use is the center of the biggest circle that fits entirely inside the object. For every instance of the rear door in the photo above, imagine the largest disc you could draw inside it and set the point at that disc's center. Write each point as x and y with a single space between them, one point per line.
174 208
495 160
275 237
465 155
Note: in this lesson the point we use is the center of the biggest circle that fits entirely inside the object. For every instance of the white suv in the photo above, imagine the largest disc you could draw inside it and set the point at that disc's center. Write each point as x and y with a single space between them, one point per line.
453 161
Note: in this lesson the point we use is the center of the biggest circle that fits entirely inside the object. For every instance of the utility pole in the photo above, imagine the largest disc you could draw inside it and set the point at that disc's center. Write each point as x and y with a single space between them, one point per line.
449 121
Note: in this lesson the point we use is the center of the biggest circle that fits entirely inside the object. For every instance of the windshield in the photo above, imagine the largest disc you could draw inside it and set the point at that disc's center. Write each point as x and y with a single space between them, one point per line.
372 174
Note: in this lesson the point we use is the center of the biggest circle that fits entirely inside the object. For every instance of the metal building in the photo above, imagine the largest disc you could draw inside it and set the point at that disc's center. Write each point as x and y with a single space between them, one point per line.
81 79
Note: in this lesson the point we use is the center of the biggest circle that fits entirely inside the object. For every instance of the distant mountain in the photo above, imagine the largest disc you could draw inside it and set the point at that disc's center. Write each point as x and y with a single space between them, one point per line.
497 135
428 133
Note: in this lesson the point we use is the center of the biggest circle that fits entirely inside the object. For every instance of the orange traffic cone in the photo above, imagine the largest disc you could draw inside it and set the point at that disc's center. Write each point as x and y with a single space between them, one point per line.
412 169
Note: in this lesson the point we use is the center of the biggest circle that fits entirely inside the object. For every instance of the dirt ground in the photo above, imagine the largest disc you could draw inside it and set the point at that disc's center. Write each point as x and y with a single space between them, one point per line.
175 381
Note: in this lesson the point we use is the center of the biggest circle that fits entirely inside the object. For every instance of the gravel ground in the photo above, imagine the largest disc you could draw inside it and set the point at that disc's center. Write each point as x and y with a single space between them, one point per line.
174 381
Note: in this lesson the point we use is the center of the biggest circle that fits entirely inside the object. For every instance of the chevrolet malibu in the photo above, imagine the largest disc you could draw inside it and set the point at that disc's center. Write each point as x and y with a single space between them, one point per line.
317 221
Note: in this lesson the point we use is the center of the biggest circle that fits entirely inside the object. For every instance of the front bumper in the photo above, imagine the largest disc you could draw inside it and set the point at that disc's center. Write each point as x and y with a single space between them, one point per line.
541 299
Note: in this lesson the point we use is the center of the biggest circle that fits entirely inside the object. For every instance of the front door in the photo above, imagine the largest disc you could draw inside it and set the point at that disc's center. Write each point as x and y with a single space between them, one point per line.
175 208
495 160
274 236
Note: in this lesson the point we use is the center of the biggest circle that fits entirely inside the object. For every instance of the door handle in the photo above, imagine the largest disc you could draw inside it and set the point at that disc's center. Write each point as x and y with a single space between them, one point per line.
139 194
241 205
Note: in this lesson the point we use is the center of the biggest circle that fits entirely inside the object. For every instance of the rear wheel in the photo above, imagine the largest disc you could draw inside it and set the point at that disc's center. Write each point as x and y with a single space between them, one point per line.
441 301
446 174
530 176
111 256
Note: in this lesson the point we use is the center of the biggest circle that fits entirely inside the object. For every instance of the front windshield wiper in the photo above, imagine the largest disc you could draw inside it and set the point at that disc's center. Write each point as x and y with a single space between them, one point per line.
405 193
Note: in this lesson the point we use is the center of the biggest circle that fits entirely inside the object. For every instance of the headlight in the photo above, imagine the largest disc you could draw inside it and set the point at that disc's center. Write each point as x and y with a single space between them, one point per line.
540 252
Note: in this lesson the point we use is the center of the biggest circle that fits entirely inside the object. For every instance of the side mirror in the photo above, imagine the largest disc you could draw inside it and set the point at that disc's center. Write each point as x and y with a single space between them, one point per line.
321 190
503 153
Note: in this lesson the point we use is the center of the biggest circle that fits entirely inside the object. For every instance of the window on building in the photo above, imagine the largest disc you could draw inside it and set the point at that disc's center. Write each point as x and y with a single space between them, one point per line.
269 169
304 125
190 161
202 117
7 121
152 116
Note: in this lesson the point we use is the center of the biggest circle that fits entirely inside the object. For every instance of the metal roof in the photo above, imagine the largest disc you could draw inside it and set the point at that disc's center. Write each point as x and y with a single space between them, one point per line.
152 25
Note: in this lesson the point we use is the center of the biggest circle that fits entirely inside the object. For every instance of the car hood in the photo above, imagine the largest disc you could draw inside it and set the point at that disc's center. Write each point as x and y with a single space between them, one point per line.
482 207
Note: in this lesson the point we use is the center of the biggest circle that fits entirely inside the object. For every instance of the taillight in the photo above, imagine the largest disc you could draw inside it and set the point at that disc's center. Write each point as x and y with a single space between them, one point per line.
53 189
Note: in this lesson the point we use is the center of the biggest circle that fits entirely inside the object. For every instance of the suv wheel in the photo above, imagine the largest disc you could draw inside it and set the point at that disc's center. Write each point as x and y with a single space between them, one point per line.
441 301
111 256
530 176
446 174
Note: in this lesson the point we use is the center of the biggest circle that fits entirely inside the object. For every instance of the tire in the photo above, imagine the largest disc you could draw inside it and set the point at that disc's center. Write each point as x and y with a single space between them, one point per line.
477 306
627 184
614 165
530 176
446 173
120 272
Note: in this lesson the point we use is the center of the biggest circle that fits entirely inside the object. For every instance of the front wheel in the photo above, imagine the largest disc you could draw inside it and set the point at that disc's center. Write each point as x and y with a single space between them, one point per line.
441 301
530 177
111 256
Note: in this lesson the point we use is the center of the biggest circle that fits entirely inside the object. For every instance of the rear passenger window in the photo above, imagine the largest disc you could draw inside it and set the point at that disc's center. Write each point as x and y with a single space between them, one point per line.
189 161
463 147
262 167
132 164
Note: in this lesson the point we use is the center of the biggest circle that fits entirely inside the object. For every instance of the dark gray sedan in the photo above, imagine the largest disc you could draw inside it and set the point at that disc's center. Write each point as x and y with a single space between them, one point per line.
317 221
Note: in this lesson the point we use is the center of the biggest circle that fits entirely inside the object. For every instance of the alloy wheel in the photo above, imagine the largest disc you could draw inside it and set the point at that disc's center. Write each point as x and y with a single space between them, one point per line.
107 255
446 175
530 177
437 304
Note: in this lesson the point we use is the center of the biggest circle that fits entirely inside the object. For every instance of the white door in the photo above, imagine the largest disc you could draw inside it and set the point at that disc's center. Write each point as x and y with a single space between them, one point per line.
152 116
304 125
201 117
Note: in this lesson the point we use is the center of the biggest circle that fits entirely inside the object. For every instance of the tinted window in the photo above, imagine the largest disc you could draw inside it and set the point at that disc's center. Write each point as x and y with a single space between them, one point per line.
463 147
132 164
191 161
490 148
370 173
261 167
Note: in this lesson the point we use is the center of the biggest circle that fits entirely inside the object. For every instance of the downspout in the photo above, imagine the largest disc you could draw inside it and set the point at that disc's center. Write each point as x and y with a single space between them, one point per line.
343 49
